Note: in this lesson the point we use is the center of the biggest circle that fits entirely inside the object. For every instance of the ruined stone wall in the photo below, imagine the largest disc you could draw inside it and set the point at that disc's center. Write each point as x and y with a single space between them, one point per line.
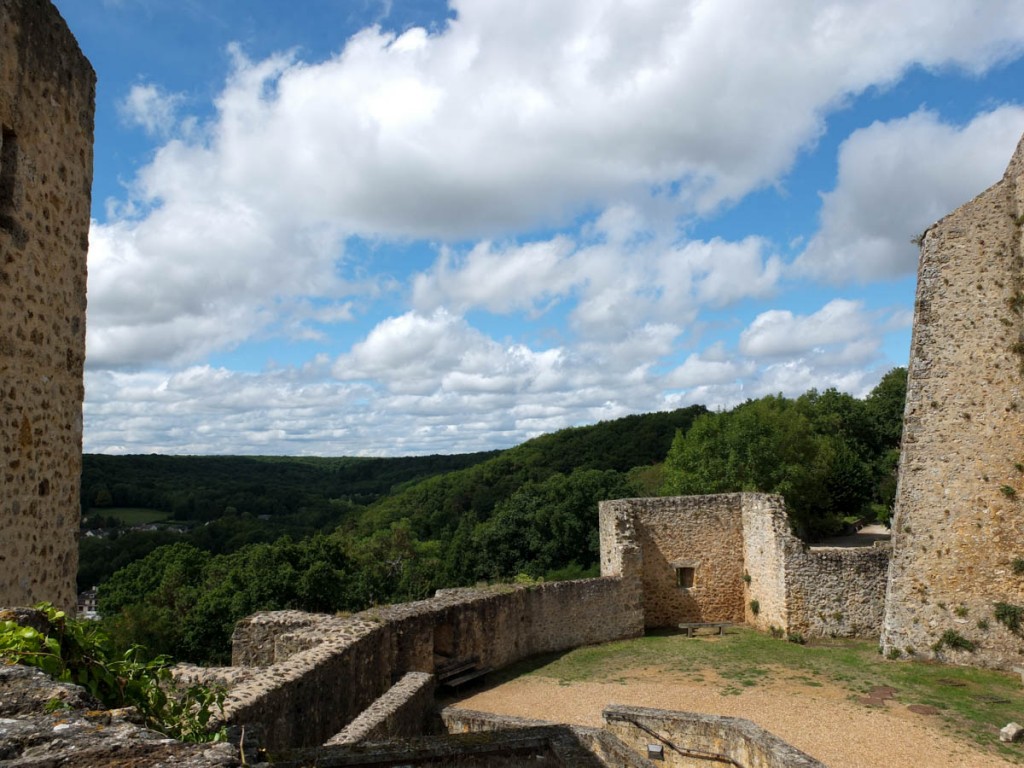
958 525
704 533
708 739
47 94
748 566
837 592
767 542
328 670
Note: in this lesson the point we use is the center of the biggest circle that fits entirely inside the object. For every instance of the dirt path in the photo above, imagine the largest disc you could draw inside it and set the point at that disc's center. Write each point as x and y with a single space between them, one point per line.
819 719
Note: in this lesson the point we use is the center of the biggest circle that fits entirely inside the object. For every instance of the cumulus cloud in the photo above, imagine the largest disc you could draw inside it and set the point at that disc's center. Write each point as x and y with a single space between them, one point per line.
151 108
897 178
779 332
499 279
513 116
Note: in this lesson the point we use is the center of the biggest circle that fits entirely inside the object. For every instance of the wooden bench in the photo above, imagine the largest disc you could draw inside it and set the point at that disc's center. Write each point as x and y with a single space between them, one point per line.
452 673
690 627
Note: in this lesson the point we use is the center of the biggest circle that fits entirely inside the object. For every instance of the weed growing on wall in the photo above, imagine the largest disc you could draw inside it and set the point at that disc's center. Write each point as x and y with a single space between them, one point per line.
77 651
1009 616
955 641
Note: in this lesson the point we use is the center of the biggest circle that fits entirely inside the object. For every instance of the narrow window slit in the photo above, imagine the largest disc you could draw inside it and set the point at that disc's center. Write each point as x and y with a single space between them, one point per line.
8 175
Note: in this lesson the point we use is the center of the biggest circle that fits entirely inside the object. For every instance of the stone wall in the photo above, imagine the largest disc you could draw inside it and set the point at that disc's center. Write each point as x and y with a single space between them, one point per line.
401 713
304 697
767 546
702 533
809 591
958 526
697 740
748 567
834 592
687 739
47 93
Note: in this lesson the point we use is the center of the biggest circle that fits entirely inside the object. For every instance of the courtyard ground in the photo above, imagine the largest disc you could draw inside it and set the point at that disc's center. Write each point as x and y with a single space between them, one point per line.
840 702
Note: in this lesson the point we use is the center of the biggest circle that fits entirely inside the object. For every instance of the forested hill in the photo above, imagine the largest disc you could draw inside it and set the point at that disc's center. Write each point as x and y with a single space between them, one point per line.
436 507
202 487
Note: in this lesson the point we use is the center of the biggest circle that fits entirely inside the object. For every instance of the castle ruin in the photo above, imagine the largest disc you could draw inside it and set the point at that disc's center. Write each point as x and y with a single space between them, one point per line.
956 582
955 578
47 95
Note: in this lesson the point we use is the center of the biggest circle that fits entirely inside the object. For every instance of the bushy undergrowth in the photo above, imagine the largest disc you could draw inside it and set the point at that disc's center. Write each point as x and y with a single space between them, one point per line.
78 651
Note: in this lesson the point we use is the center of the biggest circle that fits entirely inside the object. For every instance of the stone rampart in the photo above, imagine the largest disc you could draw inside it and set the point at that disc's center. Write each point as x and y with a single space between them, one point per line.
47 94
958 524
304 698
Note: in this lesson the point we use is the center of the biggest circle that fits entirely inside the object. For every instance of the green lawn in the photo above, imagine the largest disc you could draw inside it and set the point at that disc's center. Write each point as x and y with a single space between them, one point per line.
132 515
974 703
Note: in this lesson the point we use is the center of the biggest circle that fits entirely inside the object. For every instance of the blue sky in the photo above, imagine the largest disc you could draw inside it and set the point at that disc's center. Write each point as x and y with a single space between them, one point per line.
354 227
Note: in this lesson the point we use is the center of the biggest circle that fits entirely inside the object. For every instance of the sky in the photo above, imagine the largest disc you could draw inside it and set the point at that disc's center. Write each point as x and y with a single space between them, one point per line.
382 228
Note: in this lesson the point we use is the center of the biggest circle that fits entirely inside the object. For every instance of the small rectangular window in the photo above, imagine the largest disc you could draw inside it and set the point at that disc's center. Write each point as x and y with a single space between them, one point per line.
686 577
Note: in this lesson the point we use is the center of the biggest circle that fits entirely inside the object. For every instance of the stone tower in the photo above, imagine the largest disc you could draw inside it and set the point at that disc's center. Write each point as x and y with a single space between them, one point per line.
47 95
956 579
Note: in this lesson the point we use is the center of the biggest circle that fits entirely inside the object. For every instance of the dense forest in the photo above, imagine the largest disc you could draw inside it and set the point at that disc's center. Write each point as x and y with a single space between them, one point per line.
242 535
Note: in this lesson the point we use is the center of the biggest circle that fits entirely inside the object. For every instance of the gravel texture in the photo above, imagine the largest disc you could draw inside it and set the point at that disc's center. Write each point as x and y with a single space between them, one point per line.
820 720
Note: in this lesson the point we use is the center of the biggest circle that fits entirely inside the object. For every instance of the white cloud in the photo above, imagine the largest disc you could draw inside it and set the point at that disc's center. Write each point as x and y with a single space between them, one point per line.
518 114
699 370
896 179
498 279
778 332
151 108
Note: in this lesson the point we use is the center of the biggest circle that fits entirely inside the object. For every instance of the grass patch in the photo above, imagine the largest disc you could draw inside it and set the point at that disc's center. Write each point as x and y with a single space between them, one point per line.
974 703
133 515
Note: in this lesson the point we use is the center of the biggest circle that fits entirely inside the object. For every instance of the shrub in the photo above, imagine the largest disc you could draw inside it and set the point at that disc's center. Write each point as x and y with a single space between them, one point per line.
1009 616
953 639
79 652
1018 566
796 637
755 607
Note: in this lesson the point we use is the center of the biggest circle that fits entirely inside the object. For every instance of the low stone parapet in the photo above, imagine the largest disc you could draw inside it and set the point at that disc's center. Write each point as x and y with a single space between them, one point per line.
701 739
402 712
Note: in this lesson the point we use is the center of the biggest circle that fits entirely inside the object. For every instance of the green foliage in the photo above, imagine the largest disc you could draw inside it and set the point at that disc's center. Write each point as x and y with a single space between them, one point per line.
1009 616
953 639
755 607
79 652
796 638
544 526
182 601
829 454
438 507
1008 491
1018 566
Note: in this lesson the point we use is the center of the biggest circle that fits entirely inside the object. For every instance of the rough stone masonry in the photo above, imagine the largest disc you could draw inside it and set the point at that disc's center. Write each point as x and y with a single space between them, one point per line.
47 95
956 578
